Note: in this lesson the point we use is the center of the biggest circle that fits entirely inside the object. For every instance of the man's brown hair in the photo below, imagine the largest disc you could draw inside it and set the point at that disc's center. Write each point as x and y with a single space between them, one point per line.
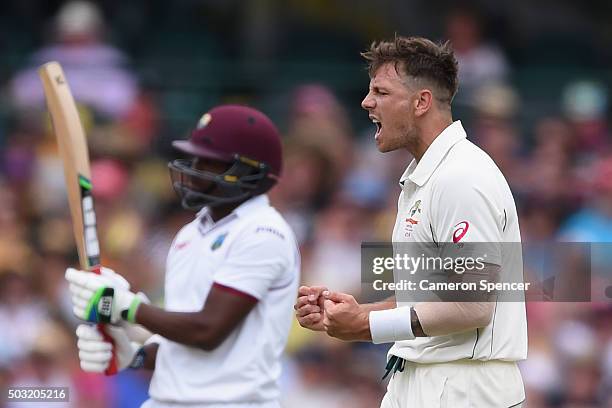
419 58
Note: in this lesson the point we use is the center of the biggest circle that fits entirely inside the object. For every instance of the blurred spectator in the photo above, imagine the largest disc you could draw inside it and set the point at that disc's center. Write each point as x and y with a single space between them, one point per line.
480 62
335 259
368 188
46 364
593 223
335 375
585 104
539 220
494 128
316 384
318 119
547 176
16 253
96 70
540 375
110 179
305 187
579 351
22 316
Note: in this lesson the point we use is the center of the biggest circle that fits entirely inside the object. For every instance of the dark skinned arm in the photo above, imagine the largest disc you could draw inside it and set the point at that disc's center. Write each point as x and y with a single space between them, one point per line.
150 356
223 311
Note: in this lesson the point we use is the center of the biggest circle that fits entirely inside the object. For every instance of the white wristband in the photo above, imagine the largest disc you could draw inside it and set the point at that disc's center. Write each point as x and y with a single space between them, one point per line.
391 325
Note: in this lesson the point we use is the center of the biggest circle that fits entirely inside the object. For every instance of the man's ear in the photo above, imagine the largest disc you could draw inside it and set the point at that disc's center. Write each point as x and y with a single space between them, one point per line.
423 102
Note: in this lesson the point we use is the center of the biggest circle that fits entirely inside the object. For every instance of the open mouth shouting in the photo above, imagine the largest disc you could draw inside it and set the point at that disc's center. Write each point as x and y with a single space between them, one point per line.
378 126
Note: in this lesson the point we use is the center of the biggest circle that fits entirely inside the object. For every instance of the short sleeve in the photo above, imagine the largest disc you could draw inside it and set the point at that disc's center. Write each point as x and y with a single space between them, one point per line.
261 259
156 338
465 214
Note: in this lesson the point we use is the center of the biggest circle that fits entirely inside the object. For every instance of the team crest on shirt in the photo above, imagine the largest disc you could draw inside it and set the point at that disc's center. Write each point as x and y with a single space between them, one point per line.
412 220
218 241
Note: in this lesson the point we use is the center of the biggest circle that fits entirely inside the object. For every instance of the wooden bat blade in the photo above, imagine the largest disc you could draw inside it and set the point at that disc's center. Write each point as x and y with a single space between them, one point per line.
75 156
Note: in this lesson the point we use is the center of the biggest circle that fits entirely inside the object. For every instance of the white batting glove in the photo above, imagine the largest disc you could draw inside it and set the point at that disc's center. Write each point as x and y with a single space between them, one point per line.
102 298
95 353
118 280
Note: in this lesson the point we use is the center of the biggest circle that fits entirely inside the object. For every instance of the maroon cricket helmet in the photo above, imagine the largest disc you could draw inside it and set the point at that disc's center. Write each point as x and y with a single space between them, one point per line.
228 131
240 136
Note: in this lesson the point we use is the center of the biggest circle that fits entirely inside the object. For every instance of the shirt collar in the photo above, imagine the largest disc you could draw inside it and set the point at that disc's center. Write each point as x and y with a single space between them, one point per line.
419 172
251 205
243 209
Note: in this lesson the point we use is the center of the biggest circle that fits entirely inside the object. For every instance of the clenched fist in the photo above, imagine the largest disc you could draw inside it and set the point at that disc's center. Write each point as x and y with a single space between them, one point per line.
309 307
344 318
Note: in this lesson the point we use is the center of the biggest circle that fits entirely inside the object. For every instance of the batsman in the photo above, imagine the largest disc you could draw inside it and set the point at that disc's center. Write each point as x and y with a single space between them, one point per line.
231 278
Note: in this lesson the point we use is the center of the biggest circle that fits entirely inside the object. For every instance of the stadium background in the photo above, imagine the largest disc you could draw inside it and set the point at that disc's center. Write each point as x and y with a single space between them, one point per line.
534 94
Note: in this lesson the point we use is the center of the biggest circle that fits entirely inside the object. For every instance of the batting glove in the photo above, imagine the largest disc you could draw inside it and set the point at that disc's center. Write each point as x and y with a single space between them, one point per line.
102 298
118 280
95 353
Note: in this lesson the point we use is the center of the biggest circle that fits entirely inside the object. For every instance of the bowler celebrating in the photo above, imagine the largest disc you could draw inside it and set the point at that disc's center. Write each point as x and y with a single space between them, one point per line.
231 278
443 354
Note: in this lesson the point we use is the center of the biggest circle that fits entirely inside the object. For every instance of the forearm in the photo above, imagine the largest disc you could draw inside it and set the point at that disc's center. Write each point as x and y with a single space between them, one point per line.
474 310
443 318
428 319
150 356
181 327
388 303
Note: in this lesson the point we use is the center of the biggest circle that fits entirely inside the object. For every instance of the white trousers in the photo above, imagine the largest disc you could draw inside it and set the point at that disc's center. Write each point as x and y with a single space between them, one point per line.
456 384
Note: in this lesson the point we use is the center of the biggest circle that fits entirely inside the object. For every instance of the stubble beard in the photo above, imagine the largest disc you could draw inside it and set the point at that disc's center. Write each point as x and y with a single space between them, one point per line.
410 139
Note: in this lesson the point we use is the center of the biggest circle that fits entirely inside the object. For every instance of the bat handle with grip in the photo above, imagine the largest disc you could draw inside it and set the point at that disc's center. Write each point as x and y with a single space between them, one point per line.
112 366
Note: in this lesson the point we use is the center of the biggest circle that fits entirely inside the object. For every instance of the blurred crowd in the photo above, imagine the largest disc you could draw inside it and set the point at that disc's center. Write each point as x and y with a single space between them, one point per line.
337 191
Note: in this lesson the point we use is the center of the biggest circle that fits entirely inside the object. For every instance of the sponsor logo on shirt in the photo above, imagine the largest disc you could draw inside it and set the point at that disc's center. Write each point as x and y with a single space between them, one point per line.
460 230
218 241
181 245
271 231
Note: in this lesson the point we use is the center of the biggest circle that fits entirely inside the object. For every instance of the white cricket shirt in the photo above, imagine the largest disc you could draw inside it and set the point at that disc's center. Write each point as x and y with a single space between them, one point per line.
457 194
252 250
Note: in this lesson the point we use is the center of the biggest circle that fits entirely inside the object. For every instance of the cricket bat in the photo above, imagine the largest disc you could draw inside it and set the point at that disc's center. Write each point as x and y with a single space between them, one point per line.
75 157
